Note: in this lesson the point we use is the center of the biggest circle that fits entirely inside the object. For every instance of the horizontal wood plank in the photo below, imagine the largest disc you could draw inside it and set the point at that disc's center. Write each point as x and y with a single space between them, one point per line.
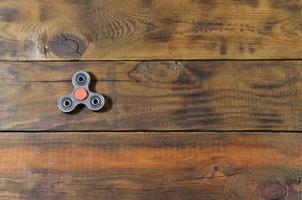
164 95
145 166
150 29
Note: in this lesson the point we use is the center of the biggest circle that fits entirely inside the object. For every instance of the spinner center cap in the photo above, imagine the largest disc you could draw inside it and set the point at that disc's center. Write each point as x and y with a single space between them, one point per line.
81 94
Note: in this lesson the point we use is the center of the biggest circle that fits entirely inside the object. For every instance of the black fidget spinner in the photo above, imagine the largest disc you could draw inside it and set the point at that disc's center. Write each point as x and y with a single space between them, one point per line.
81 95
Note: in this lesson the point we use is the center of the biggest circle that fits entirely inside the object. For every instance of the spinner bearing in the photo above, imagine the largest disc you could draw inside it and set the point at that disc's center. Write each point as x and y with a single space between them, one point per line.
81 95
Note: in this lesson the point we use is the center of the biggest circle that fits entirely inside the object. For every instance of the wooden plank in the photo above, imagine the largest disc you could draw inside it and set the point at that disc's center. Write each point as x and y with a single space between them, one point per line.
150 29
143 166
222 95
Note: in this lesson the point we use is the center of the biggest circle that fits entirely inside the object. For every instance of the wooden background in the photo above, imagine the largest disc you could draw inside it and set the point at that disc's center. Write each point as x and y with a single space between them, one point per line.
204 100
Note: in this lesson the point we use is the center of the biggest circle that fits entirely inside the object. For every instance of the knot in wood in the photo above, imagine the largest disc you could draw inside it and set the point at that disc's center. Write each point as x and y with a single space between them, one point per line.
67 46
271 190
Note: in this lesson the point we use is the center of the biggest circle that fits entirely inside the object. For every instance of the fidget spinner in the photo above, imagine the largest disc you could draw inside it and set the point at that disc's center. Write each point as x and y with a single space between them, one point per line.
81 95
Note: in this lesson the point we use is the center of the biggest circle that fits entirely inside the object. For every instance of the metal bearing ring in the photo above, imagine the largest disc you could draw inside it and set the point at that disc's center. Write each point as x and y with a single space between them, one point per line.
81 95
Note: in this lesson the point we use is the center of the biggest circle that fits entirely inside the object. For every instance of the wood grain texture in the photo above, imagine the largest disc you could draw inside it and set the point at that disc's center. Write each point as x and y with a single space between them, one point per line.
150 29
145 166
163 95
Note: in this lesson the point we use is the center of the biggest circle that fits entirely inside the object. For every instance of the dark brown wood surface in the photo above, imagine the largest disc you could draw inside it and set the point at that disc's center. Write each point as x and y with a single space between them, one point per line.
150 29
203 100
159 95
143 166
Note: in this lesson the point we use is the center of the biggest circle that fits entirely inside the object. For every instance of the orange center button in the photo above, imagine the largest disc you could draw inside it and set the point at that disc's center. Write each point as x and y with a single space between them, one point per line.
80 94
